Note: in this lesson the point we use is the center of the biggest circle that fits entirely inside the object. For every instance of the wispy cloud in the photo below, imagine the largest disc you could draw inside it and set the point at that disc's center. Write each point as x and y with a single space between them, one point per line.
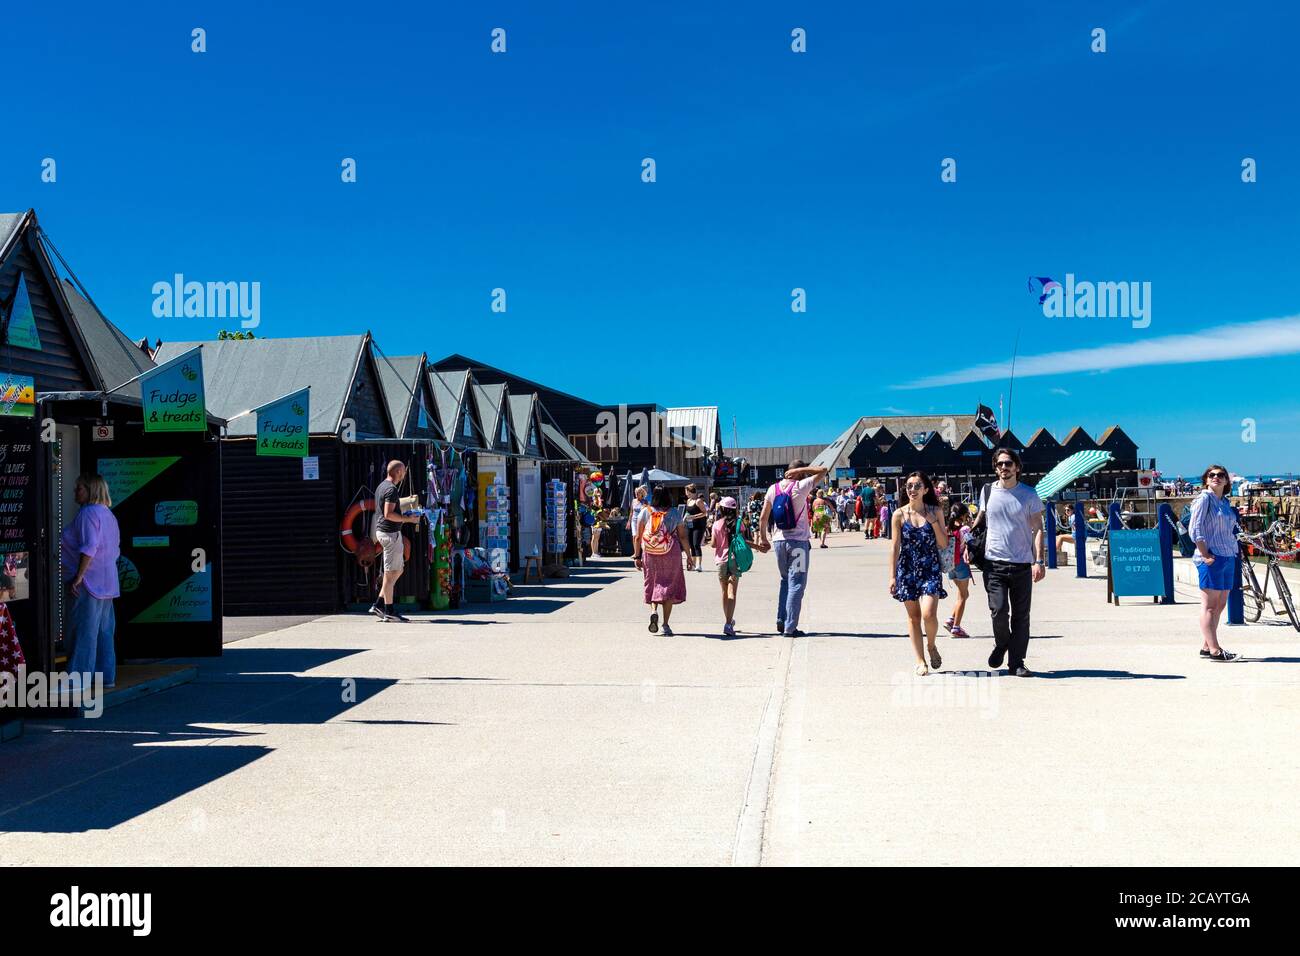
1058 391
1219 344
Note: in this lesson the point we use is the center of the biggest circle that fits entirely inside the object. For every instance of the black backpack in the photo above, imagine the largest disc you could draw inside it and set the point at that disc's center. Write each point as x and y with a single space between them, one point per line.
979 532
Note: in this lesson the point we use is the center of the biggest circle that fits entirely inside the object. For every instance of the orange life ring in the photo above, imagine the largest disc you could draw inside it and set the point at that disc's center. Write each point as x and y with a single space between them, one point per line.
365 549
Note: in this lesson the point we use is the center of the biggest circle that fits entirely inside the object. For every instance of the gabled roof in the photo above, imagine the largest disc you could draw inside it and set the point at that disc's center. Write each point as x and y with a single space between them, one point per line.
454 393
449 393
523 415
464 362
559 445
239 374
1008 439
972 441
403 381
839 450
1118 433
1043 439
116 358
10 225
491 403
697 421
1077 434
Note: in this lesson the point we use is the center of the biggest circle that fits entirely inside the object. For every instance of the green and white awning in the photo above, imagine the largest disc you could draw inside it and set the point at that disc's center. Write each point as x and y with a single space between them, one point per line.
1079 465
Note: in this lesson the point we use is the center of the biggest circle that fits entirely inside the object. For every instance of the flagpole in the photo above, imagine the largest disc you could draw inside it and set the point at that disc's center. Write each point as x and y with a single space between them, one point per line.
1011 390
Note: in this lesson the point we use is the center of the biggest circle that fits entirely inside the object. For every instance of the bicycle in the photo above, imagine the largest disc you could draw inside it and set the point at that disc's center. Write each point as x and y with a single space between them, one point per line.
1255 596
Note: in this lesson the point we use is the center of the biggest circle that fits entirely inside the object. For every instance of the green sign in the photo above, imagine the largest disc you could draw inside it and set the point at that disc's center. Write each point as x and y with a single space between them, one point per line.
126 476
191 600
176 513
1135 563
151 541
282 426
173 396
21 327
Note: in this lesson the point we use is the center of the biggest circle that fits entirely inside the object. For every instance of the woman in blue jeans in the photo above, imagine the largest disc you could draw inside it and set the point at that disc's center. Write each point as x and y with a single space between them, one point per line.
1214 530
88 552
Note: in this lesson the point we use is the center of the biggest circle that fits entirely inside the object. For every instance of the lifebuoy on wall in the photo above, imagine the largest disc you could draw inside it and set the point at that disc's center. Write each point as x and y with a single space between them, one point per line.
365 549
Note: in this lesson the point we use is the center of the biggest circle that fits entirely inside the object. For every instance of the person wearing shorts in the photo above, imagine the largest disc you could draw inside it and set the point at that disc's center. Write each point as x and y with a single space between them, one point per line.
388 533
960 575
1214 530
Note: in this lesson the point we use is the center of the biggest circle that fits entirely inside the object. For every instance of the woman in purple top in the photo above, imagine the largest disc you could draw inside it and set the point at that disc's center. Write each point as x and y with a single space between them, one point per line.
88 552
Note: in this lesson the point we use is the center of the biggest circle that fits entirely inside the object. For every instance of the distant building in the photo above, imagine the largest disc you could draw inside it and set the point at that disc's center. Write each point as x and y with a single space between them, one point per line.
953 448
767 465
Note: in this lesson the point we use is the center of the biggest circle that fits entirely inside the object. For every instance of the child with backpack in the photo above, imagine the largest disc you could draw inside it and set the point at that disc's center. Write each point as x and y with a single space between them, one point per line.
733 554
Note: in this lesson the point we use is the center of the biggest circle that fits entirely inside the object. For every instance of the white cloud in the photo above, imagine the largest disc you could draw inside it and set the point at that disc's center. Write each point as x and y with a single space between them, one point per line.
1218 344
1058 391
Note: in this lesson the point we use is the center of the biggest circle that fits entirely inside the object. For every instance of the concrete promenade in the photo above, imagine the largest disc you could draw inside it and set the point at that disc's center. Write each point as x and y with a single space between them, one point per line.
553 729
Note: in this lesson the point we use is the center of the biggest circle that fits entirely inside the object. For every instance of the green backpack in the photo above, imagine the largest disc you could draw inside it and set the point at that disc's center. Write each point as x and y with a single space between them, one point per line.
741 552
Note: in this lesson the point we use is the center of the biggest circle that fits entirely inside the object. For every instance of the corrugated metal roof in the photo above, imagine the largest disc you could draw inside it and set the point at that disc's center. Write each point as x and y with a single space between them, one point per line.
702 418
116 358
239 374
776 455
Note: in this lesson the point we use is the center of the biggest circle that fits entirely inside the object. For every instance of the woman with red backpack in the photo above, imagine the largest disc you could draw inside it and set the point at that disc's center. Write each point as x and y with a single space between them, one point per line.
658 542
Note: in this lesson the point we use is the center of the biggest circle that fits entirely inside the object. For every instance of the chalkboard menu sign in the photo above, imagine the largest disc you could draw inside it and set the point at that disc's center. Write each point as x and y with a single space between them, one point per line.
17 509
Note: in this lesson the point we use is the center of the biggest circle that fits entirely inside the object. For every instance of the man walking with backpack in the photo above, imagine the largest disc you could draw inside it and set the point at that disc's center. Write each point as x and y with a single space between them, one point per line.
1013 559
785 512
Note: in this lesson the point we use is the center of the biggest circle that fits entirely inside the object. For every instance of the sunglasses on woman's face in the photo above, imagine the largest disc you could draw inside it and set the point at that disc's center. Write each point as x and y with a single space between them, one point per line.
915 487
1217 474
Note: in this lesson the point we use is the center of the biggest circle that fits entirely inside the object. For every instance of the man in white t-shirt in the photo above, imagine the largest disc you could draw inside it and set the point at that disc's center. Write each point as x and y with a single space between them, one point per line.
1013 559
792 545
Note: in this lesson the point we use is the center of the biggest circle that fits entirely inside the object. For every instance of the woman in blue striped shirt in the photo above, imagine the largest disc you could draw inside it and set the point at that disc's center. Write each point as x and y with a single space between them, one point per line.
1214 529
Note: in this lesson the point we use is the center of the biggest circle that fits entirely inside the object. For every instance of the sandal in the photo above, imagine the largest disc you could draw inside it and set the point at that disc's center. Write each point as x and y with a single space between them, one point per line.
1222 657
936 661
654 622
922 670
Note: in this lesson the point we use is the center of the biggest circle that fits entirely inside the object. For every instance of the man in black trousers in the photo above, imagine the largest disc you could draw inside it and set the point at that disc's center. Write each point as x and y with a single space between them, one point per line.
1013 560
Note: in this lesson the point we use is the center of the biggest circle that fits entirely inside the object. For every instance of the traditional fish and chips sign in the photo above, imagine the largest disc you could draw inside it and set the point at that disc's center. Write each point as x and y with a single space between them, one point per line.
282 426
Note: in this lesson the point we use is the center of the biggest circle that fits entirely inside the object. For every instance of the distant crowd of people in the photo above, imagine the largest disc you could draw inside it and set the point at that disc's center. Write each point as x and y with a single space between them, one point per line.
936 541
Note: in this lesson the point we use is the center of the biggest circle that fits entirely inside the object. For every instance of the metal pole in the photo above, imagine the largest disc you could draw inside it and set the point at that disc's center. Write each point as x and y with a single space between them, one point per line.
1236 598
1080 541
1164 519
1051 536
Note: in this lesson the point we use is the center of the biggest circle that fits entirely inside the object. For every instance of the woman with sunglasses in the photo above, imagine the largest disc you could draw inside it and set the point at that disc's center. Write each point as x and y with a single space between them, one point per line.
1214 529
917 579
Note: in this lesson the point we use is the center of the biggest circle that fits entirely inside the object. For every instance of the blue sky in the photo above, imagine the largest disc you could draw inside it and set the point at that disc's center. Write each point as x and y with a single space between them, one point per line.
775 170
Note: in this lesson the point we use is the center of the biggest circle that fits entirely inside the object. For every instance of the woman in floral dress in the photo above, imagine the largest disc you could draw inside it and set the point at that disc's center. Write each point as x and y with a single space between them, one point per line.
918 537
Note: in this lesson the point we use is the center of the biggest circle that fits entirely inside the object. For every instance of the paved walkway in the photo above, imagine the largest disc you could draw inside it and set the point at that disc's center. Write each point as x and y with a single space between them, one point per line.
557 730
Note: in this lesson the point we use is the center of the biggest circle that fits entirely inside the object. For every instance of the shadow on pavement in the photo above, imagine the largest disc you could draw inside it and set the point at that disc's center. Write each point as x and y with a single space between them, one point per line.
70 776
1109 675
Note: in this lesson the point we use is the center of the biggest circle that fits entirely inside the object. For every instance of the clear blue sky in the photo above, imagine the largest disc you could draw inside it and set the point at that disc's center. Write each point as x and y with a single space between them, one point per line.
776 170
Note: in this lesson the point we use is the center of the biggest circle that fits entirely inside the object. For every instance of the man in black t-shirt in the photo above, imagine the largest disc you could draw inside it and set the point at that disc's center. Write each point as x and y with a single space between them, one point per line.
388 531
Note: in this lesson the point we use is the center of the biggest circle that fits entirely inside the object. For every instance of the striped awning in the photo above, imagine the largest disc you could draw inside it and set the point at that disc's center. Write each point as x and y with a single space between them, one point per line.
1079 465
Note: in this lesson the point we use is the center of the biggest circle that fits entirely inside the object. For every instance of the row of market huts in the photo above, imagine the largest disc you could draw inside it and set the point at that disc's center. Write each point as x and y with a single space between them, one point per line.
208 527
